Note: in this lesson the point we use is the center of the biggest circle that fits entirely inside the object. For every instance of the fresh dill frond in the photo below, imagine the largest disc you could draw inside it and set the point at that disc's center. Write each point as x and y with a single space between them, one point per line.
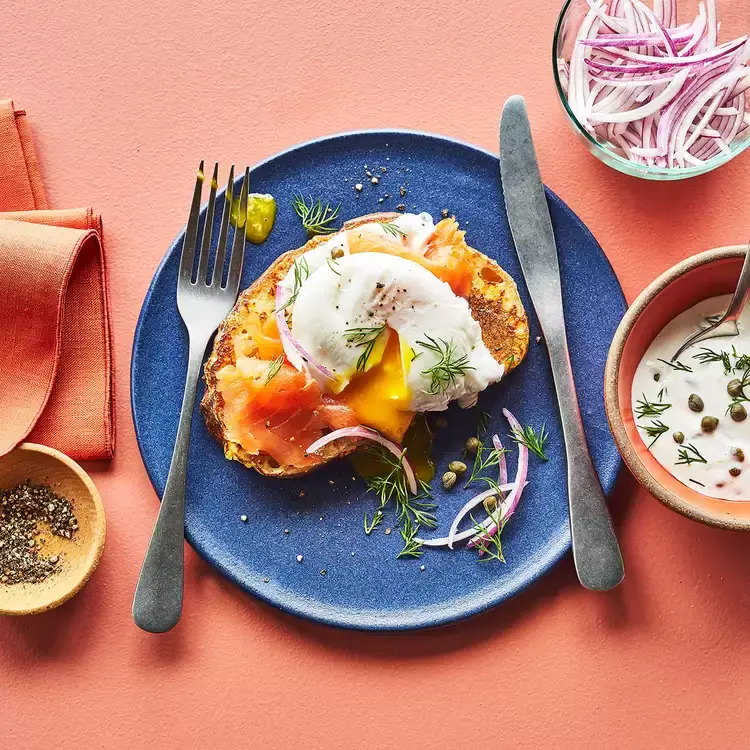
483 421
301 274
364 337
316 218
483 460
332 265
689 455
676 365
743 360
706 355
393 229
377 519
534 441
273 369
489 544
646 408
448 367
411 548
655 430
661 394
695 481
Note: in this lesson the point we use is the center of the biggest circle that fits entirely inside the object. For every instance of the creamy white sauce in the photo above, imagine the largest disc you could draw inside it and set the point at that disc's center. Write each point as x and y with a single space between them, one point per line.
709 381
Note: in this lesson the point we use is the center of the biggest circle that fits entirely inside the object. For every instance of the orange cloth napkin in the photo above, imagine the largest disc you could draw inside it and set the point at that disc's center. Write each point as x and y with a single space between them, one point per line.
56 383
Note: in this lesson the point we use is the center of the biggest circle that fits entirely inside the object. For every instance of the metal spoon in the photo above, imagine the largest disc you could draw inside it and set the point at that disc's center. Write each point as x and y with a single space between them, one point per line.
727 324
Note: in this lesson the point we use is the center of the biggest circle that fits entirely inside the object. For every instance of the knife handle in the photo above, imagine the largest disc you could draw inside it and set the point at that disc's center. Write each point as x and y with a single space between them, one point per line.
596 553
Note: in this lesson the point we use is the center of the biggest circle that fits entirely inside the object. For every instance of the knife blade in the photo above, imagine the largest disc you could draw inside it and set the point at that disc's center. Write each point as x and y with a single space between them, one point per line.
596 552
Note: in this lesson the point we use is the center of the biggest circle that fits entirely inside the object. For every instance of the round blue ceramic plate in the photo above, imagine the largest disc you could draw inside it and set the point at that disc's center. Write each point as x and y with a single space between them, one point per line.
364 585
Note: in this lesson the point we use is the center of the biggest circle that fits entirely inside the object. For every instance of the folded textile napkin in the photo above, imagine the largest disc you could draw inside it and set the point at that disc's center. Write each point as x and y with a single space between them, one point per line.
56 384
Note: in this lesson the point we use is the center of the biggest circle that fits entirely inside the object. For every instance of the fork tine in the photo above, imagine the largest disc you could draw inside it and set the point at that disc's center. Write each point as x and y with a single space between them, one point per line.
207 230
188 244
238 247
221 249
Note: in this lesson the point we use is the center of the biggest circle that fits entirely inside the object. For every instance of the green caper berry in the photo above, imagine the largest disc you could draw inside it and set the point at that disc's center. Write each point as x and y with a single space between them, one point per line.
735 472
738 413
472 445
337 253
657 377
738 454
449 479
734 388
709 424
457 467
695 402
490 504
678 437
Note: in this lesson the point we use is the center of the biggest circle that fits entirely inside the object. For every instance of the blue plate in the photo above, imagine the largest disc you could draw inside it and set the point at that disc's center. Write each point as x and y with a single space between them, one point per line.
364 585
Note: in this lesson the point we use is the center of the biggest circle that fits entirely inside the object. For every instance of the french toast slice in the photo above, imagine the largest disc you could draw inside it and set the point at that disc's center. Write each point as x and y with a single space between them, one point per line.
494 302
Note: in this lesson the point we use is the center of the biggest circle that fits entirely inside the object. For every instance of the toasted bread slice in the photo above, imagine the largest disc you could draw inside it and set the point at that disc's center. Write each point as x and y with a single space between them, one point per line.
493 300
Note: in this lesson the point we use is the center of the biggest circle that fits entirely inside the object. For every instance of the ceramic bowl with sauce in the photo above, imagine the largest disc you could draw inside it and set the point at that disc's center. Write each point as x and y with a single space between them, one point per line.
701 277
78 556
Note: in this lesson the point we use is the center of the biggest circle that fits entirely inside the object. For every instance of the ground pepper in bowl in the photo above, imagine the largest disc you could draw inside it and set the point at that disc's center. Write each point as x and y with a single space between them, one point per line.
24 511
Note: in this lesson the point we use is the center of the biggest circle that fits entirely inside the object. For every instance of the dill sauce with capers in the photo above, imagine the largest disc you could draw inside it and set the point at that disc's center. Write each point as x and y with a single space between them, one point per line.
726 449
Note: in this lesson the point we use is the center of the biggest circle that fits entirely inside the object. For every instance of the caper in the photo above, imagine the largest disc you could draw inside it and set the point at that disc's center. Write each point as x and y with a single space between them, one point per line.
695 402
337 253
457 467
472 445
735 472
449 479
738 413
709 424
657 377
734 388
678 437
490 504
738 454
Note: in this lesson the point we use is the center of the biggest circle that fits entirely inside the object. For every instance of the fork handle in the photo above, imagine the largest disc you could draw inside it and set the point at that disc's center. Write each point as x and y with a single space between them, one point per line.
157 604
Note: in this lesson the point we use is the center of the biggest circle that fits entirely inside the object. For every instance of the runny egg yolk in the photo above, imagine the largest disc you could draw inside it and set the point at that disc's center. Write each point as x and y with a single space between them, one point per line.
380 397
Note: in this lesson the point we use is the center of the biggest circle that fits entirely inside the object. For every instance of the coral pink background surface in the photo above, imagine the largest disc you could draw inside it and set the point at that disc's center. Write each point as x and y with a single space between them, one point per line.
124 99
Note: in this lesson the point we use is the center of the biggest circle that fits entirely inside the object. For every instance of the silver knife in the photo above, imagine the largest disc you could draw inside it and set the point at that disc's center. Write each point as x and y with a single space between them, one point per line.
596 552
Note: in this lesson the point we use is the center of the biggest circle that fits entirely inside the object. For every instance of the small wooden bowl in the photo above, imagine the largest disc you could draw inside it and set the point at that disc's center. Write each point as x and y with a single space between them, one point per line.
705 275
79 556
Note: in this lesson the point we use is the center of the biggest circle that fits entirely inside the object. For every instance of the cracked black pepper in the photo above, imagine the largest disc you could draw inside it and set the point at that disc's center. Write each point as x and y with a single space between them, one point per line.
25 511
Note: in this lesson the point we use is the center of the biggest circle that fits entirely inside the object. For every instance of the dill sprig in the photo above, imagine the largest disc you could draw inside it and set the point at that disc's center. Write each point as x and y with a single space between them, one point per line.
483 460
706 355
273 369
695 481
411 548
316 218
393 229
489 544
655 430
364 337
743 360
445 371
377 519
534 441
689 455
646 408
301 274
483 420
391 485
332 263
676 365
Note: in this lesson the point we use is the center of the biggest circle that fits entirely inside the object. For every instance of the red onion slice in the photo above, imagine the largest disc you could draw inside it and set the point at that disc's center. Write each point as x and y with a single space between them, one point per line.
506 510
287 334
368 434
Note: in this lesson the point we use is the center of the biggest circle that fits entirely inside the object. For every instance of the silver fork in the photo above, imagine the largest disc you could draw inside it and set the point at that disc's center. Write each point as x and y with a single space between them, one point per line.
203 304
726 325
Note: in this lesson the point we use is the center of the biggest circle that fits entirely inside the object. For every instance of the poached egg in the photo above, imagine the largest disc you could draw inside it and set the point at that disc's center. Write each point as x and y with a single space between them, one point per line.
396 338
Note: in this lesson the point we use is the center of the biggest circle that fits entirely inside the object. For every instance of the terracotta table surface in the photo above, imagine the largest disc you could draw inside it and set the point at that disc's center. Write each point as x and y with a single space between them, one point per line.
124 98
